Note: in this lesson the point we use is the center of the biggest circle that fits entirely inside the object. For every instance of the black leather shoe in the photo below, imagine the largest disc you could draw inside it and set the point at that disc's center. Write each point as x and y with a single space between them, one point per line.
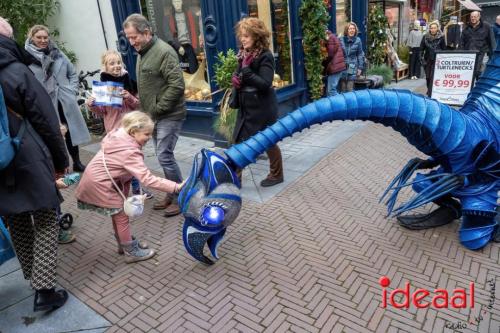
49 299
270 182
78 167
436 218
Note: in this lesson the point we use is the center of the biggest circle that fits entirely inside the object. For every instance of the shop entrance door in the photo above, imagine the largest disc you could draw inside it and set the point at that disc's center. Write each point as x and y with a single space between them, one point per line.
121 10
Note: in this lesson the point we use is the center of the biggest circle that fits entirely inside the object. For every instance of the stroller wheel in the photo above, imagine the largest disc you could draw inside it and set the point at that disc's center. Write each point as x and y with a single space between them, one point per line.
66 221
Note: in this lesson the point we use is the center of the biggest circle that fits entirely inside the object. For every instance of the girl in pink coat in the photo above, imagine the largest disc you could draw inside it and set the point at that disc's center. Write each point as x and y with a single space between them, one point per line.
112 70
122 149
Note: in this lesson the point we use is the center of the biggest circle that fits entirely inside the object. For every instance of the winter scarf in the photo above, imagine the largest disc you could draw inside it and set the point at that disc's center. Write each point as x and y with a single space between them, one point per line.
128 84
430 37
243 54
432 41
46 56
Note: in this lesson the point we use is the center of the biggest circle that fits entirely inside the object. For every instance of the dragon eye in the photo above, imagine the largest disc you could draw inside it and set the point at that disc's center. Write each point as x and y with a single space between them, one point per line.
212 215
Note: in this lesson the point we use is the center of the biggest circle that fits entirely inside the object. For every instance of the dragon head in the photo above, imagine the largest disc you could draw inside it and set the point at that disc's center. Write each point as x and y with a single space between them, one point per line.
210 201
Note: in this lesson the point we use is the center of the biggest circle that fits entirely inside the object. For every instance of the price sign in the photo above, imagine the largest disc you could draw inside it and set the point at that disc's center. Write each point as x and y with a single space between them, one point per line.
453 74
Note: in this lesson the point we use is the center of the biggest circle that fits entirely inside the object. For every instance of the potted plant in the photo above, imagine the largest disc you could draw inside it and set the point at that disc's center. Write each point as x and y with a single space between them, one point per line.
224 68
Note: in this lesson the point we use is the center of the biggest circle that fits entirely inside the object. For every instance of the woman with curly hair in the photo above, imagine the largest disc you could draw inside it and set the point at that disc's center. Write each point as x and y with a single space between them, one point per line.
258 105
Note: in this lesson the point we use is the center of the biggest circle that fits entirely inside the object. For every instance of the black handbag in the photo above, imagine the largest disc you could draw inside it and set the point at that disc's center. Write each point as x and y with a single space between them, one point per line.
234 99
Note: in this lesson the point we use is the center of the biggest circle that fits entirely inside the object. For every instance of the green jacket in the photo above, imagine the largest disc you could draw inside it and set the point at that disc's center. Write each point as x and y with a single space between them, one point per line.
160 81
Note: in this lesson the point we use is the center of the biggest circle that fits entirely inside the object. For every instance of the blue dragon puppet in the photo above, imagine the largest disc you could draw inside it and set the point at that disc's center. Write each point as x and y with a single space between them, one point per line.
464 157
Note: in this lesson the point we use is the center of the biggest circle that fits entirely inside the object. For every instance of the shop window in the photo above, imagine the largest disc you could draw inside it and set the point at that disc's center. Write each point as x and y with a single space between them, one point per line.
392 14
276 17
342 15
179 23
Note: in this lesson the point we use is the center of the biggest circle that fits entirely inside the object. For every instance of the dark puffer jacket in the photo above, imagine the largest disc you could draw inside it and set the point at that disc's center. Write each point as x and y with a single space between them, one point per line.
28 183
257 98
335 63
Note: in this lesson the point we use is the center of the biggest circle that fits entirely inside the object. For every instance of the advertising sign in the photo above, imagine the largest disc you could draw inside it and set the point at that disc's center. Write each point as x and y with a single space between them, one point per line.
453 75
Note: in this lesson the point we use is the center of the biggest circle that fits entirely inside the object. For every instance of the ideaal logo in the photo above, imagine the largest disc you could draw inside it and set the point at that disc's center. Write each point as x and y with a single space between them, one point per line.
441 298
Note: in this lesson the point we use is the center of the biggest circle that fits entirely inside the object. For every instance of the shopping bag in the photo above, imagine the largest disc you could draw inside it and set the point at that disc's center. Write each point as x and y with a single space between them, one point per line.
6 249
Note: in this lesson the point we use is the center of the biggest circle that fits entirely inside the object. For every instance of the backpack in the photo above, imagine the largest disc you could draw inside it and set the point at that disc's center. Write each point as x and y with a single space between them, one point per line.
9 146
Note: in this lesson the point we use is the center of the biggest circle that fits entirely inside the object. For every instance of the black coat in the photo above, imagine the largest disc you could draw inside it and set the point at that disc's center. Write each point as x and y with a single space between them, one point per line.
428 48
28 183
480 38
257 97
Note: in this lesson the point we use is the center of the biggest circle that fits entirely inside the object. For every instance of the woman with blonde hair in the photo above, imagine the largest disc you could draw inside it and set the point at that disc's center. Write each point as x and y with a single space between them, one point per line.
56 73
432 41
120 159
257 102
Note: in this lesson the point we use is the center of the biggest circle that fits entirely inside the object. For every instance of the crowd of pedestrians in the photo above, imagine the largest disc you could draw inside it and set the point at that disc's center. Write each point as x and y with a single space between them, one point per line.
345 63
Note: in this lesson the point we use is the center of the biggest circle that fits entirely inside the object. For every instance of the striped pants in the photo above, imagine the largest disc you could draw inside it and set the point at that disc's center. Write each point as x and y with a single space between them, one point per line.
34 236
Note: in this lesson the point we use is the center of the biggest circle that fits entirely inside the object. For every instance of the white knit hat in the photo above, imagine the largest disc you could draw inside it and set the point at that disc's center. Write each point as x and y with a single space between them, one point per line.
5 28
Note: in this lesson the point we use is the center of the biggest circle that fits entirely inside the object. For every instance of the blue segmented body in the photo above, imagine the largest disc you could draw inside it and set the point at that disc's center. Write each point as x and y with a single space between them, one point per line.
464 143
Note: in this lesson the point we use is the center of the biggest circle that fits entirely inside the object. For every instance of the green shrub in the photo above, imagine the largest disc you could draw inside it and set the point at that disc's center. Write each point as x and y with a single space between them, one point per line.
224 68
383 70
23 14
404 53
314 21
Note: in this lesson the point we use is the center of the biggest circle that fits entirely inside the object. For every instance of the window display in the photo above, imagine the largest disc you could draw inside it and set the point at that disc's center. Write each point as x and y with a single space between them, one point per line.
342 15
179 23
275 15
392 14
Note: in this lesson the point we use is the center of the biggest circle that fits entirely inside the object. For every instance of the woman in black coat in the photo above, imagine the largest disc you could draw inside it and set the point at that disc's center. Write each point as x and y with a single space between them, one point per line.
28 193
432 41
258 105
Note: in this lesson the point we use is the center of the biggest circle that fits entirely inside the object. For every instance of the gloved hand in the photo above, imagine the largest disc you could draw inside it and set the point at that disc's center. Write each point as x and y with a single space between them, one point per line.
236 81
247 61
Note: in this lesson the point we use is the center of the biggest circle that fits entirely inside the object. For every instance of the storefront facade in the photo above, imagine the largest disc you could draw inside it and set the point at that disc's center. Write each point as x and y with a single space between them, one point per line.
200 29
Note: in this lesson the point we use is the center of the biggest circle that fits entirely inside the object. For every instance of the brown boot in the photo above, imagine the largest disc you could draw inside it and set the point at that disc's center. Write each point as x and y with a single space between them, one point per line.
275 175
162 204
172 210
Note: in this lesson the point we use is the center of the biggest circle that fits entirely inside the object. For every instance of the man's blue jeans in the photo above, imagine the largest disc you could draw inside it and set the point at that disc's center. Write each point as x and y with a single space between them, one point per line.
332 83
165 135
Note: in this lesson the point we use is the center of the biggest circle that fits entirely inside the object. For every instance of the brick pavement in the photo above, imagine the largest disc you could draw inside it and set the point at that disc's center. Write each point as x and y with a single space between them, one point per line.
308 260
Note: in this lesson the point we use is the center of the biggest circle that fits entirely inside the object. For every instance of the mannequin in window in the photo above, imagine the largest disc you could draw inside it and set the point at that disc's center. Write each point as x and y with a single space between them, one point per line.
391 52
452 33
181 26
413 43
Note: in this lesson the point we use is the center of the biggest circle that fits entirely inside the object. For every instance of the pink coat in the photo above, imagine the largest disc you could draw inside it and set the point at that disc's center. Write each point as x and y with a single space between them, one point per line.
112 116
124 159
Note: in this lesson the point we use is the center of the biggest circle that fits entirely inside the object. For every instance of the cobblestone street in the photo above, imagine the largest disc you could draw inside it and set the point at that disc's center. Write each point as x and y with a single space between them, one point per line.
307 258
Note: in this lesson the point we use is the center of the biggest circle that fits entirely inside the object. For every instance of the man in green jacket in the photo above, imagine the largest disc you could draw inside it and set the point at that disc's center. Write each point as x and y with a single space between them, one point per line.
161 94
